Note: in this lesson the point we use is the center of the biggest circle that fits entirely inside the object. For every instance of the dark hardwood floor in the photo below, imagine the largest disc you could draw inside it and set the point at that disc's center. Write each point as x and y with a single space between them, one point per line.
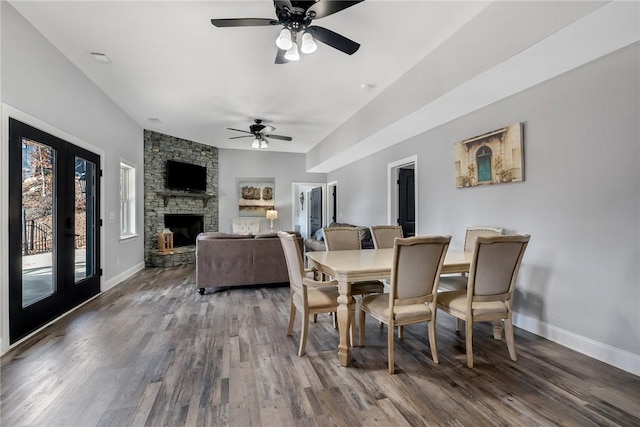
153 352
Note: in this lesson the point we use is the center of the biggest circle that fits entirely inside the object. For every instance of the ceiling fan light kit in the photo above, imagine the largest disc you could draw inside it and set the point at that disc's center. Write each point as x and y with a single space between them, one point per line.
295 16
259 132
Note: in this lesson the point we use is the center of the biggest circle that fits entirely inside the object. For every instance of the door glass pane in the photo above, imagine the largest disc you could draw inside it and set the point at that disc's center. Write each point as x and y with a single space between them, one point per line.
38 219
84 218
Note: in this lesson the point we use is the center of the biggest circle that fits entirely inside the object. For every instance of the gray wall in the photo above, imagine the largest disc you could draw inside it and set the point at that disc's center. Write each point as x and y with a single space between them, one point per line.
284 167
39 81
580 201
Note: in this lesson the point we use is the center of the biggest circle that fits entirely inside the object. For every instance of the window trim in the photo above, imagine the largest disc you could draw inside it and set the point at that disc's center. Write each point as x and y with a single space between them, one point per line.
131 231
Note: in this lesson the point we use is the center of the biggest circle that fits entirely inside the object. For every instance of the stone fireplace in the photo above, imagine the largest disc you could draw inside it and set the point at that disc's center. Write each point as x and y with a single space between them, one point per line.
186 214
185 228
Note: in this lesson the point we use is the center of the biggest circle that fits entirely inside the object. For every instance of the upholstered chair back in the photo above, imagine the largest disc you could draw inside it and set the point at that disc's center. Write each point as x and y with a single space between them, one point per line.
384 235
341 238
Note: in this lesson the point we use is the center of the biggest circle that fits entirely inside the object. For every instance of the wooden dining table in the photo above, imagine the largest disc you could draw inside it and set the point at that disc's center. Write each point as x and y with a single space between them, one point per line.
367 264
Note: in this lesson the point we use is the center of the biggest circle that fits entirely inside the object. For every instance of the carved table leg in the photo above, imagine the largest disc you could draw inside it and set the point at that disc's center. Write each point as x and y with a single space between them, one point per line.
345 317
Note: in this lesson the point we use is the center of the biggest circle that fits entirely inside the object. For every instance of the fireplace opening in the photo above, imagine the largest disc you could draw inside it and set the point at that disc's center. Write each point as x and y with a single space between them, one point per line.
185 228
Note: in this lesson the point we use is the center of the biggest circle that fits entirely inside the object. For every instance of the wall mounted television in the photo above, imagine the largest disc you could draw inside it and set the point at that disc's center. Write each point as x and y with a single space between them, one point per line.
186 177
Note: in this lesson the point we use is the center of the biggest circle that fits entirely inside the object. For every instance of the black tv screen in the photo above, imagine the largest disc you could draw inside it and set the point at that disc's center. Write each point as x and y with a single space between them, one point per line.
186 177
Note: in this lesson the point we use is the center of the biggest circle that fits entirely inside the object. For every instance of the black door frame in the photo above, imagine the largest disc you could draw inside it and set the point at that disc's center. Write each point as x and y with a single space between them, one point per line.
69 293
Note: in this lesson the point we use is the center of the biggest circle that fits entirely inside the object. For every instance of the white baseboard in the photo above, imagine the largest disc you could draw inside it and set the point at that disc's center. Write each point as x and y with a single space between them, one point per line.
122 276
621 359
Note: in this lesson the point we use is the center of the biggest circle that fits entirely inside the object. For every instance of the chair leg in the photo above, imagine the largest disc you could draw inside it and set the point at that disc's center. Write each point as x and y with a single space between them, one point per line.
304 333
508 332
390 347
432 340
458 322
292 318
362 326
334 316
315 318
468 337
497 330
400 332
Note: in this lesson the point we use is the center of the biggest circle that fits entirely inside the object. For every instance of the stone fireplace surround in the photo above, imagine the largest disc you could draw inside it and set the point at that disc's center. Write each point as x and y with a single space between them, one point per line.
159 201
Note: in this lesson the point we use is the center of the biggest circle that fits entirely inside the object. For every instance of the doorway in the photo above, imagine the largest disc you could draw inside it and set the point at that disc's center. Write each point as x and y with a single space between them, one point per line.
301 198
402 189
54 260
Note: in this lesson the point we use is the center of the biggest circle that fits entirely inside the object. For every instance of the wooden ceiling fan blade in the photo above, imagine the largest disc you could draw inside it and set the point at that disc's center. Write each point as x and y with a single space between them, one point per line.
243 22
326 7
334 40
281 137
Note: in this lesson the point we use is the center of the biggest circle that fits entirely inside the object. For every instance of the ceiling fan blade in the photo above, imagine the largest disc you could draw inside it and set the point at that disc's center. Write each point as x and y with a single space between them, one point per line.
326 8
238 130
281 4
334 40
243 22
283 138
266 129
280 59
243 136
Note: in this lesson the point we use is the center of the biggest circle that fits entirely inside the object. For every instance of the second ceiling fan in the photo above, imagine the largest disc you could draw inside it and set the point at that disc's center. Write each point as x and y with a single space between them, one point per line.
260 132
295 17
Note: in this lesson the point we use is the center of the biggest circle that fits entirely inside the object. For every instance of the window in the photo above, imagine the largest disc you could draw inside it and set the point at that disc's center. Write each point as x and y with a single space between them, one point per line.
127 200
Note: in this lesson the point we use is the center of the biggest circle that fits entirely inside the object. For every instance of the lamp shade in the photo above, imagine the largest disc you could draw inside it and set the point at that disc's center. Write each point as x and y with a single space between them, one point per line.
256 144
292 54
272 214
284 41
264 144
308 44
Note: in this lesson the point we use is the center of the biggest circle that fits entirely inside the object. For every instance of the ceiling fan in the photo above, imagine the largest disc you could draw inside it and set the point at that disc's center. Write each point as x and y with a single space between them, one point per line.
295 17
260 132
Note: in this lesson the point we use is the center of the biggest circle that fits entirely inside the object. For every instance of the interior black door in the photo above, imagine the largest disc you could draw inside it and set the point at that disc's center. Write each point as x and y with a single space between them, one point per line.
54 259
407 201
315 209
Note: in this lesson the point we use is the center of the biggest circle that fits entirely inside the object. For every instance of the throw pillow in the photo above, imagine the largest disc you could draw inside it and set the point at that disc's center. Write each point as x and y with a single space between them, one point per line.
319 235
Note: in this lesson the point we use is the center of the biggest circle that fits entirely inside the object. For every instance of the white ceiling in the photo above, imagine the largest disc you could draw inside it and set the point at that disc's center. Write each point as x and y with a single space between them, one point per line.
170 63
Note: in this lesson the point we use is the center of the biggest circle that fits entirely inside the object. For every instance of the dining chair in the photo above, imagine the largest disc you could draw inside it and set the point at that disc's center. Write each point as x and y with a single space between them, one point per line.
450 282
308 296
344 239
384 235
415 273
489 294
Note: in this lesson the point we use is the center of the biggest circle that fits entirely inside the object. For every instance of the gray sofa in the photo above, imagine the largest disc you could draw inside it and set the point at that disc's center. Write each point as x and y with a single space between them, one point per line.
316 242
225 260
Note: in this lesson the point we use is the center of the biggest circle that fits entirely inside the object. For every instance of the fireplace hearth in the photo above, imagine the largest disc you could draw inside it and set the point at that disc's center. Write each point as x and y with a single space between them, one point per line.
185 228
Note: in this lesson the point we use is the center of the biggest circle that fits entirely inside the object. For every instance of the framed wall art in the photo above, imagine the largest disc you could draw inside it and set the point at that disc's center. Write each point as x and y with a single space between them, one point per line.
255 197
494 157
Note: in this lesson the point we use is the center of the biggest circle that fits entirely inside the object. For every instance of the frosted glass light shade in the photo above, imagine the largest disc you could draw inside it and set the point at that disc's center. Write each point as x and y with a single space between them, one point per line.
292 54
308 44
284 41
264 144
256 144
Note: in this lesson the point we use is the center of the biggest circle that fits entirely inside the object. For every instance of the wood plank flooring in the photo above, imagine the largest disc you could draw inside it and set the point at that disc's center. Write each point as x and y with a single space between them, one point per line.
153 352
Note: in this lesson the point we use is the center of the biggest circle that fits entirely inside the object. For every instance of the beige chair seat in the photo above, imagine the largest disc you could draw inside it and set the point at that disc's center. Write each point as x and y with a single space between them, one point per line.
378 306
319 298
456 302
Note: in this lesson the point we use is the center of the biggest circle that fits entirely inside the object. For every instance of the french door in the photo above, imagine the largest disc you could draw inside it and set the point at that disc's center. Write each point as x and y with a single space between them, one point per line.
54 260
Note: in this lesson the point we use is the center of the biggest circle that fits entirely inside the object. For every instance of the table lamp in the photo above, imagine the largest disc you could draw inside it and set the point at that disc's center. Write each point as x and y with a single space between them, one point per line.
272 214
